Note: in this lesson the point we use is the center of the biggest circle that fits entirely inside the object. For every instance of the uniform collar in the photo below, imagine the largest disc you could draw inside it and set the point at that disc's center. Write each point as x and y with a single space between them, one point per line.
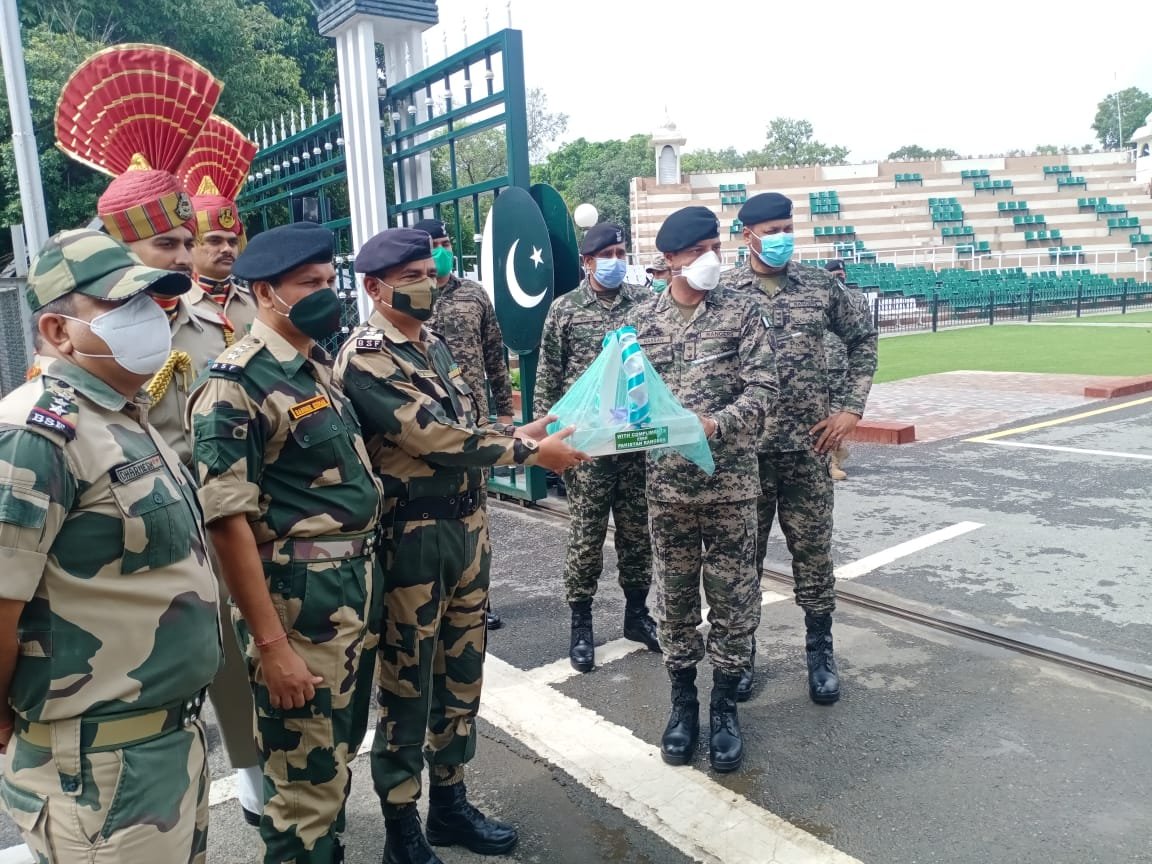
83 381
391 331
285 353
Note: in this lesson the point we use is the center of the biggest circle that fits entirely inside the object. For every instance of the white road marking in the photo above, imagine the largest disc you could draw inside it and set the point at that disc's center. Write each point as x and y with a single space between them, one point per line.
1081 450
886 556
685 807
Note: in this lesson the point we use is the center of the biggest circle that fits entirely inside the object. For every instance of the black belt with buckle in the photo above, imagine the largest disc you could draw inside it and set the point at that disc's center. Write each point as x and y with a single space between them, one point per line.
456 507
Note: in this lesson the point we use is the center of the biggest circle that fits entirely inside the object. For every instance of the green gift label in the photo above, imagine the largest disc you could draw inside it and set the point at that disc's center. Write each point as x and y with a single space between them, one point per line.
634 439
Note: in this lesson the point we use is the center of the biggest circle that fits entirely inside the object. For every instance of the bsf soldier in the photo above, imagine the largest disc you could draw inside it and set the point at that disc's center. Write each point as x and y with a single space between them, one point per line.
573 337
291 506
107 603
420 423
836 357
800 304
148 208
464 318
710 346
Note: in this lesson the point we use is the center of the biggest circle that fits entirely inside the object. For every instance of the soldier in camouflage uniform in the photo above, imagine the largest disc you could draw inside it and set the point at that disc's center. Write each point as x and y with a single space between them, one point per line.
108 606
800 304
659 275
291 505
464 318
710 347
836 356
573 337
420 424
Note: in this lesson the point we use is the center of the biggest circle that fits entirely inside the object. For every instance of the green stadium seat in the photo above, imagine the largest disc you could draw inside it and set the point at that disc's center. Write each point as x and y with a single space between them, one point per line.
909 177
735 228
1140 239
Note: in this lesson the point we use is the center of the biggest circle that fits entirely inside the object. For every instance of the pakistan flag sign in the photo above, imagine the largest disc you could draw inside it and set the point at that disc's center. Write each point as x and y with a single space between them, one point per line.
518 268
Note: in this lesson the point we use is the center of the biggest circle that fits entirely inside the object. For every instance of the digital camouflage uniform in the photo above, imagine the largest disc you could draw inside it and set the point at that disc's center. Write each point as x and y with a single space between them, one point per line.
718 365
463 316
102 538
795 486
836 355
573 338
201 333
276 441
419 423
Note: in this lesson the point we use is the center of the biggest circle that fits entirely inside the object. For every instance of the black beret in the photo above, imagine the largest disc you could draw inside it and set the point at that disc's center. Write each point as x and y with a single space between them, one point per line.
601 237
687 226
391 248
434 228
279 250
765 207
835 265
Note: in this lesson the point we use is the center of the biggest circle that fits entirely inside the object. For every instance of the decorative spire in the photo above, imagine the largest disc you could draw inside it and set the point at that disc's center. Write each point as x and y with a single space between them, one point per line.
487 23
324 104
335 98
314 120
508 5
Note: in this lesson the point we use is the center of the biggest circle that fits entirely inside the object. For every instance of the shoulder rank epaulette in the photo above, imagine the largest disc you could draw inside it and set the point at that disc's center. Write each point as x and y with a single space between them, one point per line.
371 339
56 409
232 362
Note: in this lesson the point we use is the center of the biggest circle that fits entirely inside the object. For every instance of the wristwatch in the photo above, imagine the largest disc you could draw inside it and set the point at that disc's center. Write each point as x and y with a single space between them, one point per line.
523 448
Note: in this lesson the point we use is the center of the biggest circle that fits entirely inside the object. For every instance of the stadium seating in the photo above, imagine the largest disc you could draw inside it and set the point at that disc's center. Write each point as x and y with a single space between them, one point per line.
735 228
1057 170
1091 203
1071 182
1107 209
975 174
946 213
1123 224
992 186
913 177
1042 236
1140 239
1062 252
1025 220
1011 207
834 231
957 231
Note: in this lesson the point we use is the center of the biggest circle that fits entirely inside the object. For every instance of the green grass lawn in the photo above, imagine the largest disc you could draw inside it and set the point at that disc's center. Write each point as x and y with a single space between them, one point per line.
1019 348
1130 318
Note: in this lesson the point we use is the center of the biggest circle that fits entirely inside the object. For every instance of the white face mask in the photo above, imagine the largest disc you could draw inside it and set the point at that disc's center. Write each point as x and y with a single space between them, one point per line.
703 274
136 332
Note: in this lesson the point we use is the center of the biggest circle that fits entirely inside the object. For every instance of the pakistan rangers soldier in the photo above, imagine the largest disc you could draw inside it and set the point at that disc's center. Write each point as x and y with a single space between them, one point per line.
659 274
464 318
800 304
420 424
609 485
291 506
710 346
148 208
108 616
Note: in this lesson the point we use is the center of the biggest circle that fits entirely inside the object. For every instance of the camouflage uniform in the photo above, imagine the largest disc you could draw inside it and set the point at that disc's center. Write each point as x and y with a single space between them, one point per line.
202 332
573 338
276 441
119 636
419 423
463 316
719 365
795 486
836 354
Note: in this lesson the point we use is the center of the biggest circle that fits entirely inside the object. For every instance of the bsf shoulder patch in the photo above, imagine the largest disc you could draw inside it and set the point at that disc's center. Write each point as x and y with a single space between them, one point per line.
55 410
231 363
370 340
130 471
309 407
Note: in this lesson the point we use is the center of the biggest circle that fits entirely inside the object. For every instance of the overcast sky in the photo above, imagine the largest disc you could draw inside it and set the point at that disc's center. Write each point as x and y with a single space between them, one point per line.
871 76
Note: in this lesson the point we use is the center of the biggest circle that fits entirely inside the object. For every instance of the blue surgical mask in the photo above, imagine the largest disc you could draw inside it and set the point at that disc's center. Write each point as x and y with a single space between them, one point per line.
610 272
775 249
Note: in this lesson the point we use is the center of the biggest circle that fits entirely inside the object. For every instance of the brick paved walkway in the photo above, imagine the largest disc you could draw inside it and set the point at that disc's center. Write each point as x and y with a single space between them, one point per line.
954 404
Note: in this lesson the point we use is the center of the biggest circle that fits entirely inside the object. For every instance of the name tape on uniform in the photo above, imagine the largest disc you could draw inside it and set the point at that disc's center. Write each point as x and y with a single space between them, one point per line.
135 470
306 409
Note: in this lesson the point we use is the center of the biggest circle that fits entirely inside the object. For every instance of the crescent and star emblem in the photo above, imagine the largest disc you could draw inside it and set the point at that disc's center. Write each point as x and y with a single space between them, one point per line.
523 298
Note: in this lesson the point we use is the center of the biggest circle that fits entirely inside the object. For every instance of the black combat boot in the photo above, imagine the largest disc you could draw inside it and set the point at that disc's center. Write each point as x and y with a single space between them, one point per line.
638 624
726 747
582 651
404 841
747 678
452 821
678 743
823 679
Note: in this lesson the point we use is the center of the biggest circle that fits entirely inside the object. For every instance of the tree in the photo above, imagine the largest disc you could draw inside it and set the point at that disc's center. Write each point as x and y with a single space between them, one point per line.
790 144
1047 150
728 159
598 173
916 153
1134 106
544 127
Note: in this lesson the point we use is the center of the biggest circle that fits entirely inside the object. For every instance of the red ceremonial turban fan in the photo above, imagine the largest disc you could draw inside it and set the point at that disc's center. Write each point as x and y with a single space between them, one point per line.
214 171
134 111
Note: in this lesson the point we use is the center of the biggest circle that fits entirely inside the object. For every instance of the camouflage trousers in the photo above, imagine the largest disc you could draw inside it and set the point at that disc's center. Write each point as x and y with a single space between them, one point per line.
230 691
712 545
796 489
608 484
141 804
432 646
329 606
